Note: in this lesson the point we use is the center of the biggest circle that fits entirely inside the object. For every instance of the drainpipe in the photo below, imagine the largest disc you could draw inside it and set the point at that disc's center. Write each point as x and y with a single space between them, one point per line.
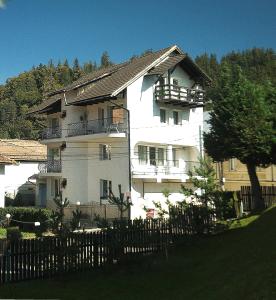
128 139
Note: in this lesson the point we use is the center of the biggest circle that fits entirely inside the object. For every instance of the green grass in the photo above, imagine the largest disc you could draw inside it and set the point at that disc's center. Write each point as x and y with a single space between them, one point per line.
237 264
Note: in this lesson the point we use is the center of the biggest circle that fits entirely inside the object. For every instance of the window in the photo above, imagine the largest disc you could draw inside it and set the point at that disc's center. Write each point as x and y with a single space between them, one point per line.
2 169
161 156
101 116
175 117
157 156
174 162
142 155
54 123
232 164
105 153
152 156
175 82
55 187
105 187
162 115
117 115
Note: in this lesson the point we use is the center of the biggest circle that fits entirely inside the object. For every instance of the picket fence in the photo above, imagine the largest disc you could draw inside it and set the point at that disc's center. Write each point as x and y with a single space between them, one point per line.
268 194
46 257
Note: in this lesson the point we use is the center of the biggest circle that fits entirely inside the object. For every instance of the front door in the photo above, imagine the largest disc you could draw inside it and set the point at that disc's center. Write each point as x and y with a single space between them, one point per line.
42 188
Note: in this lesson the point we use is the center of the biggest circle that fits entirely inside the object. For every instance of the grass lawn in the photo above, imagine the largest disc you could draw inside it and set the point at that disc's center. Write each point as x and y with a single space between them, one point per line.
237 264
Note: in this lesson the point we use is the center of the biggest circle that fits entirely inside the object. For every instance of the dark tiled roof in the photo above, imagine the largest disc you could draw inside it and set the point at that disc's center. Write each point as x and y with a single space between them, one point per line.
46 103
94 76
170 62
110 81
116 80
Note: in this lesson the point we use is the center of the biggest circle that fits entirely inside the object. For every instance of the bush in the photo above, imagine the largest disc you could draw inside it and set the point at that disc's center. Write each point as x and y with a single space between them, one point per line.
224 205
13 234
27 214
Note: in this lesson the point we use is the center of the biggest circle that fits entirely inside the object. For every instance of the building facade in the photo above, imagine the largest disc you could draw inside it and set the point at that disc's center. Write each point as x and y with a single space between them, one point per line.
135 124
19 160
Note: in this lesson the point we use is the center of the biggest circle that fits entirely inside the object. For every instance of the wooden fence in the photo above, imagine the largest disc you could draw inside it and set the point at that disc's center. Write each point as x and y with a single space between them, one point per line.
49 256
268 194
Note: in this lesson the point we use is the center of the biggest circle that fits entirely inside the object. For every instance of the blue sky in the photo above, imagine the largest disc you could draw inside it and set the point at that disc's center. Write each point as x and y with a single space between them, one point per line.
33 31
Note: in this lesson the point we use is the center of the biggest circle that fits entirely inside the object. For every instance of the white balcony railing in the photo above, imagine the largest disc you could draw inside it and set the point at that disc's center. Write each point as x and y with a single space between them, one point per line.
162 167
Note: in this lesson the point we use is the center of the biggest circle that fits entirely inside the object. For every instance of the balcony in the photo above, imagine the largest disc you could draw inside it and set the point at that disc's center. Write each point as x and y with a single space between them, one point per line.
51 166
107 125
51 133
178 95
162 168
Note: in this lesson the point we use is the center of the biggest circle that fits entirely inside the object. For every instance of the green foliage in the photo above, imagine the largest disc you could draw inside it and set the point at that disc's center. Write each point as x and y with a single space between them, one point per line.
27 214
105 60
243 123
101 222
122 203
13 234
57 216
75 221
203 178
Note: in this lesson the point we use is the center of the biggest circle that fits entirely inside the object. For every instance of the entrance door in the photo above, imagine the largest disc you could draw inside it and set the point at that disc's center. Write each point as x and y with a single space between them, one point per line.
42 194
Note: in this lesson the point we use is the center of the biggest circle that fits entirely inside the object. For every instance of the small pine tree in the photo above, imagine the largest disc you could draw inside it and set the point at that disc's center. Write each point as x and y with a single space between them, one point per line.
121 202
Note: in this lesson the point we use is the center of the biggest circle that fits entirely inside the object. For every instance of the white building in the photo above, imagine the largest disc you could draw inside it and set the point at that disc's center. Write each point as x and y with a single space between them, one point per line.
136 124
19 160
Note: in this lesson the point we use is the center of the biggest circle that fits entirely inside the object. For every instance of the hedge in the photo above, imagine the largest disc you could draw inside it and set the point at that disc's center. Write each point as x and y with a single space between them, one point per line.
27 214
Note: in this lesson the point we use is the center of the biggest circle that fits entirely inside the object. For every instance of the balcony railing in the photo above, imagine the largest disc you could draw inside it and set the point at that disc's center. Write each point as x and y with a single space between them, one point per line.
51 166
157 167
107 125
177 94
51 133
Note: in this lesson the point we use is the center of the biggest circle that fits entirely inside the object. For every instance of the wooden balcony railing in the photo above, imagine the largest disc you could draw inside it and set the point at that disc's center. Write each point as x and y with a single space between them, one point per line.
175 94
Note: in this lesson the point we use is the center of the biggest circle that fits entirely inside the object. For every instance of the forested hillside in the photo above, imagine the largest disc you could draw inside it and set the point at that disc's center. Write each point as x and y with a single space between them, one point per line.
28 88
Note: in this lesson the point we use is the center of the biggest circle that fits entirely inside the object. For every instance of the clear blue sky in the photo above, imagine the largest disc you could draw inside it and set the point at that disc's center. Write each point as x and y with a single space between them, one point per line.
33 31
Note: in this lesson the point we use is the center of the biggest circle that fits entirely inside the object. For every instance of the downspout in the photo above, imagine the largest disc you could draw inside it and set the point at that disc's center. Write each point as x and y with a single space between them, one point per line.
128 139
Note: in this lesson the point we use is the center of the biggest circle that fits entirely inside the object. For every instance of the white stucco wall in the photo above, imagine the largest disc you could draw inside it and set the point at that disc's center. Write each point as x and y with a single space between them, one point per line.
14 177
146 129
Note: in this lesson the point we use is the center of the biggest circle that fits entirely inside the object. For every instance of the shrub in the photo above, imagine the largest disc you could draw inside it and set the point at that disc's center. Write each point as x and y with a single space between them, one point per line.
27 214
13 233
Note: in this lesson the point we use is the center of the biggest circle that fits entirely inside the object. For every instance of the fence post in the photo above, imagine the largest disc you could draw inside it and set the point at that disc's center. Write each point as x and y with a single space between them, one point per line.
96 251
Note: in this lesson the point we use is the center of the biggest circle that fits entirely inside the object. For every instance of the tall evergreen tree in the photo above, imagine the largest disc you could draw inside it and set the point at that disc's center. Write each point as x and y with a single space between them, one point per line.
243 124
105 60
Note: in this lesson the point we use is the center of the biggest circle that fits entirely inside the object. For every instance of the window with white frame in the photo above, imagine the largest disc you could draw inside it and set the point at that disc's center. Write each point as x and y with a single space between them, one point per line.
142 155
156 156
105 188
105 152
163 115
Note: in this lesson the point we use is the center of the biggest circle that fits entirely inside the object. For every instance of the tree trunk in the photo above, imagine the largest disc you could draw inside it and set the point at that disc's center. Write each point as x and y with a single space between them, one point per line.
255 187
